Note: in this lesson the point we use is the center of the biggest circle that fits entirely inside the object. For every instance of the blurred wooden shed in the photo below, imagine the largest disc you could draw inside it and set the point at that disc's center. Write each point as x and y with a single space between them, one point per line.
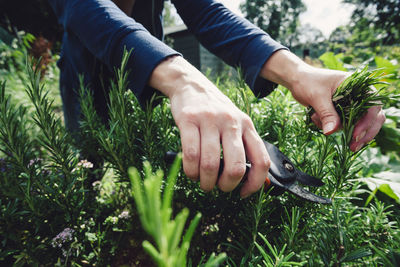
179 38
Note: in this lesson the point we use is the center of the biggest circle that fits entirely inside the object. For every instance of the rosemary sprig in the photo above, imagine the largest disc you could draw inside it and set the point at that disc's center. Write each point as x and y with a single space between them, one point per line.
357 94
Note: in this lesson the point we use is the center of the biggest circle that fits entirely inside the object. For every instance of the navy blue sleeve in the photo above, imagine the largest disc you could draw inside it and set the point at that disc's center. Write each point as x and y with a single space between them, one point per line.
105 31
232 38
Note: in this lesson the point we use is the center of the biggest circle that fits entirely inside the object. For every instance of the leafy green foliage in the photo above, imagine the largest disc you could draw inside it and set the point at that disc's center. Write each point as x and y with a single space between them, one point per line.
379 16
277 258
70 201
279 19
332 61
355 96
155 215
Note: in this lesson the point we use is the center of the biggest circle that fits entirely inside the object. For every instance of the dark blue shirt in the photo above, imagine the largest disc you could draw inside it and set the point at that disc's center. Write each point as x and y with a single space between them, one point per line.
97 31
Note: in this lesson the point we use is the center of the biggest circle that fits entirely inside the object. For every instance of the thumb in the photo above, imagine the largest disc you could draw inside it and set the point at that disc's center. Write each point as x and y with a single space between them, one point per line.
328 116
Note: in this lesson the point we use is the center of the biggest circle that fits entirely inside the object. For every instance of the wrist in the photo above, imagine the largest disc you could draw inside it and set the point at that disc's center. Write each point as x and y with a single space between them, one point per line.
167 74
174 75
285 68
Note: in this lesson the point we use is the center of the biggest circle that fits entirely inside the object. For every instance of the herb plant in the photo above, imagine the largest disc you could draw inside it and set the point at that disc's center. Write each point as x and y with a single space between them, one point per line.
75 200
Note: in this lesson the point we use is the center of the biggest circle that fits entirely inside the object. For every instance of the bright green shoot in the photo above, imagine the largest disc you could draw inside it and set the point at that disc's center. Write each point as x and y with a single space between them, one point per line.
275 257
171 245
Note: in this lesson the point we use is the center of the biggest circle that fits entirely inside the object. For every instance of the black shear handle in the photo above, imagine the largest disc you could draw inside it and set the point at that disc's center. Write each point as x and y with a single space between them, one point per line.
170 157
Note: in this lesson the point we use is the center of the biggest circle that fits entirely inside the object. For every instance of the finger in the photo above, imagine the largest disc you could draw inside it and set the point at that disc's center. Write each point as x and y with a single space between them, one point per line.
234 160
260 163
316 120
371 132
190 138
365 123
327 114
210 157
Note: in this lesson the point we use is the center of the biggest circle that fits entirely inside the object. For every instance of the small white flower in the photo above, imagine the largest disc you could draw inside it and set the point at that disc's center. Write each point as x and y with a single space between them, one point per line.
96 185
85 164
124 215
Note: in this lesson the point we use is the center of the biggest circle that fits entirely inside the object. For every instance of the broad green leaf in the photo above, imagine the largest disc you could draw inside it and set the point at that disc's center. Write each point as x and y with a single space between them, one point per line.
331 61
385 188
393 113
377 162
386 65
387 182
388 138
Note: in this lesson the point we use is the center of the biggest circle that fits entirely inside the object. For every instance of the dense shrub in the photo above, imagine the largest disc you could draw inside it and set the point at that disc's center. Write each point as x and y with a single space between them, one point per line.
65 202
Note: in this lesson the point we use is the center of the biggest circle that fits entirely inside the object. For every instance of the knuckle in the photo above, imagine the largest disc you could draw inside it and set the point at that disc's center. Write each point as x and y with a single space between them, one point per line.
191 154
225 188
193 114
247 122
230 122
206 188
188 113
209 115
229 117
255 186
191 174
237 170
262 163
209 165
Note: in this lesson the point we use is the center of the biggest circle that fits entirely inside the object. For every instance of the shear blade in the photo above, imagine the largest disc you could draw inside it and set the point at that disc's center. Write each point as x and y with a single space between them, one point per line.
303 193
306 179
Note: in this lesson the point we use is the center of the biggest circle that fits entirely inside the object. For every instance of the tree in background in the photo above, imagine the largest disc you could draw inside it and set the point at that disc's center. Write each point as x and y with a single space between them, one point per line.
169 15
376 19
310 42
279 18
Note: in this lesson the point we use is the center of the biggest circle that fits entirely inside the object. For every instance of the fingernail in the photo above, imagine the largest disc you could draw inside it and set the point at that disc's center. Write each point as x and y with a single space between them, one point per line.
359 147
360 136
329 127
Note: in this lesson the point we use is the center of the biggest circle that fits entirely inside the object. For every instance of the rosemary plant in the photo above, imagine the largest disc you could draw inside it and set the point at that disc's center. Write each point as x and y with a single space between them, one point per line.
171 246
275 257
69 191
17 146
356 95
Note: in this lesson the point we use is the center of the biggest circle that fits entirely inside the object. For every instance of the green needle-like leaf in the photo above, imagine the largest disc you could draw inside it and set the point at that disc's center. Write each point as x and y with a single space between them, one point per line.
153 252
177 230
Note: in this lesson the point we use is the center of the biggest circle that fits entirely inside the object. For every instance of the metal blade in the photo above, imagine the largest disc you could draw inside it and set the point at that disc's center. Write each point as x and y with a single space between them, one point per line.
303 193
307 179
274 181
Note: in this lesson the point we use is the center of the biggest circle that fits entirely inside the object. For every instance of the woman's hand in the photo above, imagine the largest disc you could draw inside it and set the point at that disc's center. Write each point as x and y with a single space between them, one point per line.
314 87
207 120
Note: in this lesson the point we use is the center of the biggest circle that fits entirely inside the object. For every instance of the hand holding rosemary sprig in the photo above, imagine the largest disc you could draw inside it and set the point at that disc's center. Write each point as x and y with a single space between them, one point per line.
359 106
313 87
357 101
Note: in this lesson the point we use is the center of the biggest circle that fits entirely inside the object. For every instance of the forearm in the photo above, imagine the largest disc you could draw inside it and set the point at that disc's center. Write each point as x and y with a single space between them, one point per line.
104 30
174 74
304 81
232 38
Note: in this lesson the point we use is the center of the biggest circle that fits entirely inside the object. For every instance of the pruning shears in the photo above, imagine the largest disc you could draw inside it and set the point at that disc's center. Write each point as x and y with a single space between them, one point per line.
283 175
